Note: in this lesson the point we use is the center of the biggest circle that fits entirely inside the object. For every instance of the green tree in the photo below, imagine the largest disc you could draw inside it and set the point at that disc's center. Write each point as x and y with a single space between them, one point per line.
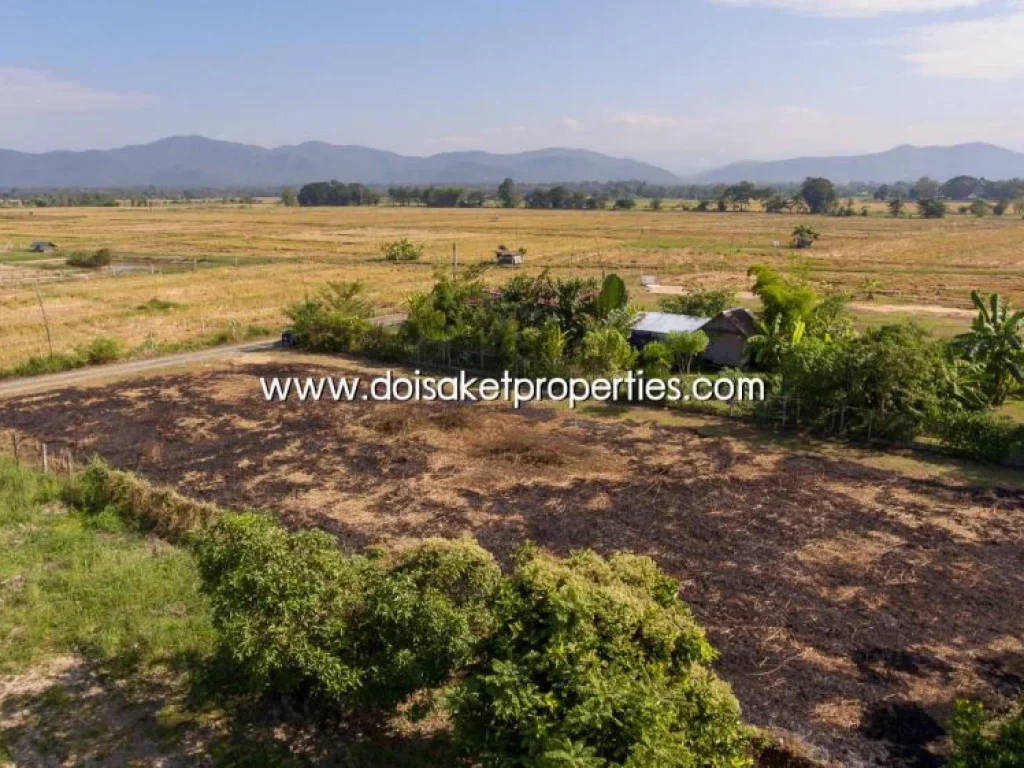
979 208
685 347
656 359
508 194
896 206
289 199
995 341
700 302
925 188
931 208
977 742
819 194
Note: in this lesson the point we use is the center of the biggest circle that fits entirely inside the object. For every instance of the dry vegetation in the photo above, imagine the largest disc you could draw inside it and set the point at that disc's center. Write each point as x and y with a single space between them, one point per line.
851 604
224 264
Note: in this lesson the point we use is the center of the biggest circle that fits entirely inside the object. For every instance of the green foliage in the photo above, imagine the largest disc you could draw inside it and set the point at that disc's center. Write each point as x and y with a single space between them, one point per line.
980 743
804 236
334 321
508 194
782 297
701 302
402 250
79 584
980 435
930 208
819 194
423 618
96 260
157 305
656 359
297 615
336 193
606 351
996 340
890 382
100 351
979 208
289 199
685 347
613 295
543 348
595 662
281 604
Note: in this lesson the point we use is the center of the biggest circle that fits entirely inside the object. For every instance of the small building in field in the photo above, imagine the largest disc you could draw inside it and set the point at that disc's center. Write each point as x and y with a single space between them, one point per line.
42 246
727 333
507 257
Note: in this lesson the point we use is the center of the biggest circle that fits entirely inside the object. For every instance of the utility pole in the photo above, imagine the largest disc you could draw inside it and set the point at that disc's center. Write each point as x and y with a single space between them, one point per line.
455 260
46 321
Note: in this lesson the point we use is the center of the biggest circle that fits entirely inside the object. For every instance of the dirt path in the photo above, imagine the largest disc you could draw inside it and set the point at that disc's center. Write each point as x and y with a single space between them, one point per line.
858 306
34 384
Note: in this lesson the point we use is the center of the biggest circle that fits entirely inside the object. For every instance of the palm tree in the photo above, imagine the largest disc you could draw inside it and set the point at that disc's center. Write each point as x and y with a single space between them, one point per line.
995 341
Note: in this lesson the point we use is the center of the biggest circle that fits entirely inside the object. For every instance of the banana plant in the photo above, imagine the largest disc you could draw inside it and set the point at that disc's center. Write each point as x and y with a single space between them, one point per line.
995 341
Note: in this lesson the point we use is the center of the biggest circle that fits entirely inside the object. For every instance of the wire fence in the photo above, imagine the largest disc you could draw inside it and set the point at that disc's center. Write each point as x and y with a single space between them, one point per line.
54 456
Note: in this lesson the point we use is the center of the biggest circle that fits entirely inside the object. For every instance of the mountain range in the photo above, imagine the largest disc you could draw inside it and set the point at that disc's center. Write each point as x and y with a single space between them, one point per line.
195 161
904 163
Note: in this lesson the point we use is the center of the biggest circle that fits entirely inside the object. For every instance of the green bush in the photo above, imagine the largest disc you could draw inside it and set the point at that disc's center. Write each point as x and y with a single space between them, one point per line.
979 434
701 302
424 618
101 258
282 604
595 662
979 743
299 616
100 351
402 250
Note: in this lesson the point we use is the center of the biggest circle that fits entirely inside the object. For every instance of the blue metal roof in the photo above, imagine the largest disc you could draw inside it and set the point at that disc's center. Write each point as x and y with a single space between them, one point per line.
665 322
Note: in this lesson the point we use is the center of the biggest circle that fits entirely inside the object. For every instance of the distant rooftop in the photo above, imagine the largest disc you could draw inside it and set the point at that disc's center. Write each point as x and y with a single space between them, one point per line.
666 322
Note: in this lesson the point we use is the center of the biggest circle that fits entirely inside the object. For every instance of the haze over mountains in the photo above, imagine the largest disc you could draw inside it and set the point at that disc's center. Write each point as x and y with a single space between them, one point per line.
904 163
194 161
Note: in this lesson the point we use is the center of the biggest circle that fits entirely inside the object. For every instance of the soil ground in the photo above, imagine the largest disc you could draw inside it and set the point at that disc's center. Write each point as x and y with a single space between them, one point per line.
851 604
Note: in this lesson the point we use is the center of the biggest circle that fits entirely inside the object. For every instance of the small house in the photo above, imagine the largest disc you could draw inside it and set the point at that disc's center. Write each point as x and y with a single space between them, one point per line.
507 257
727 333
42 246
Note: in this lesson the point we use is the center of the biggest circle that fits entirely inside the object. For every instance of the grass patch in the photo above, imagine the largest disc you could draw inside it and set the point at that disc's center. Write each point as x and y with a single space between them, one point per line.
72 582
158 305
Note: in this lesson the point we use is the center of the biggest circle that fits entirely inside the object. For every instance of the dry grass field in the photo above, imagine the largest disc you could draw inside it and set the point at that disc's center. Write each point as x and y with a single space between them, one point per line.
851 602
222 265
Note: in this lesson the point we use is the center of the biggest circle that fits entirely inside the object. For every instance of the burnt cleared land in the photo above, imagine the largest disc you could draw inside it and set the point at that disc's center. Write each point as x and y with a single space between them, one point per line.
850 605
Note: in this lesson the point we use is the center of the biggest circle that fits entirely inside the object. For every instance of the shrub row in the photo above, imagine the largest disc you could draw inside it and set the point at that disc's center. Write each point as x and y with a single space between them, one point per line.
582 661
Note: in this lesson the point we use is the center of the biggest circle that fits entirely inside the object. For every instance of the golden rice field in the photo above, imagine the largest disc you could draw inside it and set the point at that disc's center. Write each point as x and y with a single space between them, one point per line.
222 264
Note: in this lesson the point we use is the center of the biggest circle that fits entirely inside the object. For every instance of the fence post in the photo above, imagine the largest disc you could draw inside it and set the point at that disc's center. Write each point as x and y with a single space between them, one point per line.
15 441
46 466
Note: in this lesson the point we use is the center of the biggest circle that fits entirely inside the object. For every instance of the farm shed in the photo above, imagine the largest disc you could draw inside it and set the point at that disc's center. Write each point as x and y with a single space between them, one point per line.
505 256
727 333
42 246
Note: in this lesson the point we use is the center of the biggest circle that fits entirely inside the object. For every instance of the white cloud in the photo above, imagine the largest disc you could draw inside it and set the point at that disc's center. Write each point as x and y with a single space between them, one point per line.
572 124
32 91
984 49
856 7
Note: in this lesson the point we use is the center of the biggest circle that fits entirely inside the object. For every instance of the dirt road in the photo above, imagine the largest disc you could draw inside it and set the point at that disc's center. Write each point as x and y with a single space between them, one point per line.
25 386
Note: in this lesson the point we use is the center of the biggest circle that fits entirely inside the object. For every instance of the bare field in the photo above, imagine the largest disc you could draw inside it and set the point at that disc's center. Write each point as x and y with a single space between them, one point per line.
250 261
851 604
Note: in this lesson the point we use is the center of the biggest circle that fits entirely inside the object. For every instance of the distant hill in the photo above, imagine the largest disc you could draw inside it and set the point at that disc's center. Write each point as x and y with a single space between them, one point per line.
903 163
195 161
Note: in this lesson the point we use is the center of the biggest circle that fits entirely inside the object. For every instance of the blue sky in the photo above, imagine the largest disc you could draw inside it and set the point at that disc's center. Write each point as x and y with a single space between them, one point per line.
683 81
